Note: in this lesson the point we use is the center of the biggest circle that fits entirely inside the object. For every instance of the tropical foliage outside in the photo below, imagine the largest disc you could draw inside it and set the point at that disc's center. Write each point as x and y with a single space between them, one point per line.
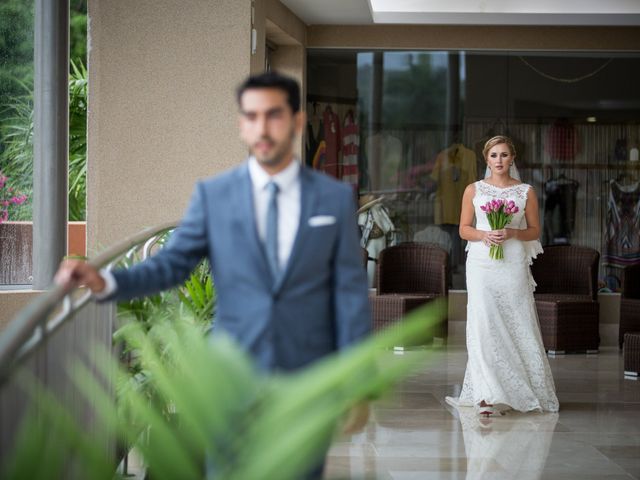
16 104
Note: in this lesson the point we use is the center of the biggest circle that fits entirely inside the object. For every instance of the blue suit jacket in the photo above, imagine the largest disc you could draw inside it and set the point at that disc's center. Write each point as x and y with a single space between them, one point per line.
319 303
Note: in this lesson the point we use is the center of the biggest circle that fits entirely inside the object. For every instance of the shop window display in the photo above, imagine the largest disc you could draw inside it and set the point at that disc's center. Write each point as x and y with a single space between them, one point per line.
406 129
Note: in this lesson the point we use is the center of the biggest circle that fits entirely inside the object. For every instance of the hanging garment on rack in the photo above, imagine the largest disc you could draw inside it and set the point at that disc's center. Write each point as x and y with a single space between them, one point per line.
622 235
620 149
559 210
320 157
332 139
350 149
562 142
455 168
313 139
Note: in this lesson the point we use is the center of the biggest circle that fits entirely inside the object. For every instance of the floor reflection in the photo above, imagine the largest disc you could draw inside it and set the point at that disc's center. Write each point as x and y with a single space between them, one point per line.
415 435
513 446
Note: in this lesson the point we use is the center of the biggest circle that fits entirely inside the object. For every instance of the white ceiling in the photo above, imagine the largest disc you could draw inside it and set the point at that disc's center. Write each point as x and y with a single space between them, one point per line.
331 12
467 12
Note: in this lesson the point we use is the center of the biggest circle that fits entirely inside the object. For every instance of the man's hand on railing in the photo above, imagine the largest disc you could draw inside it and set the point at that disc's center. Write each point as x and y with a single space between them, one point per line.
74 272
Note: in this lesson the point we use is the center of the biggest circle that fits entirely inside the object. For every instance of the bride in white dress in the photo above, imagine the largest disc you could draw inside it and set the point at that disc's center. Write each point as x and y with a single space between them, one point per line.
507 366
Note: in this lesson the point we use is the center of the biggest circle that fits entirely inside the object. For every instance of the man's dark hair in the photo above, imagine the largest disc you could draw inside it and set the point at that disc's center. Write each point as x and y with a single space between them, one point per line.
273 80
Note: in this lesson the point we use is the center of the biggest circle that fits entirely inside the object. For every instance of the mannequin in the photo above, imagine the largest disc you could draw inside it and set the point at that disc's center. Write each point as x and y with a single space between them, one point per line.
377 231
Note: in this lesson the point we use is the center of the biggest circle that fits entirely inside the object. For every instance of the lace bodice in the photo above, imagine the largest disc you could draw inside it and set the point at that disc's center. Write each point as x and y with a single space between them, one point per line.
514 250
486 192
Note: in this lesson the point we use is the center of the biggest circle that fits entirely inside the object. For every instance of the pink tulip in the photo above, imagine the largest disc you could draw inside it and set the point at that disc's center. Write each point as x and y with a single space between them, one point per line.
499 214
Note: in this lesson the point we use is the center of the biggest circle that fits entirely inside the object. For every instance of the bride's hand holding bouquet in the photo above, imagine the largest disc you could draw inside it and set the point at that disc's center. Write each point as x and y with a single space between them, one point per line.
499 214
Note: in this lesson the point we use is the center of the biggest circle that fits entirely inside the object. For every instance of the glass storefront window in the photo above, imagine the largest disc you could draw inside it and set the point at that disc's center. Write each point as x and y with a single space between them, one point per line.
16 136
16 146
406 129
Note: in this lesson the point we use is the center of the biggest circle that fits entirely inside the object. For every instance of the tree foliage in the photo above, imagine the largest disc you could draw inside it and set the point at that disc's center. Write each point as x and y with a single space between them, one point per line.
16 102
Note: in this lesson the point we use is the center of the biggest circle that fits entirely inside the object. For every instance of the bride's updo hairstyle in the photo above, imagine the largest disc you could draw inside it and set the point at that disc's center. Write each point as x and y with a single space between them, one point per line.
497 140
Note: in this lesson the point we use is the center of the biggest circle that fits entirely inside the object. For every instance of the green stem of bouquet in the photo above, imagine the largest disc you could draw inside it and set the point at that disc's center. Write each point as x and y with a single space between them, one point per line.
496 252
497 221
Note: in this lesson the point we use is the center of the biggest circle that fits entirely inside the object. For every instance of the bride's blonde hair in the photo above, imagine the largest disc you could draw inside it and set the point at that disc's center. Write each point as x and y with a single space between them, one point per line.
497 140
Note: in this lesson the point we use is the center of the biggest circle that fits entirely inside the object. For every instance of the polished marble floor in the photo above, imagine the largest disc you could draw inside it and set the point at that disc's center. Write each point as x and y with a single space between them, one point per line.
414 434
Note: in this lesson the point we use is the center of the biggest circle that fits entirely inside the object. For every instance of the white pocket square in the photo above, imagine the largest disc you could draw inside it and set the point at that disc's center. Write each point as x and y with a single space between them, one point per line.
322 220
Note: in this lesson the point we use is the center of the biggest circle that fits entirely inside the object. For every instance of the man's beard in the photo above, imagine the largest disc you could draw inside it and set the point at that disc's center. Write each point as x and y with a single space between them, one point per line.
278 155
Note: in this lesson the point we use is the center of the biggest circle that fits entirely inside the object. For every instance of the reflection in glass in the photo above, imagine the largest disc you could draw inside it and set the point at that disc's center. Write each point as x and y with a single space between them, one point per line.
416 121
16 147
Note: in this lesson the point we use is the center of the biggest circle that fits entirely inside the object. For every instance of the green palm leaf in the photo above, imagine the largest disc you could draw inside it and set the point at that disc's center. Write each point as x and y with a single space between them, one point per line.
209 402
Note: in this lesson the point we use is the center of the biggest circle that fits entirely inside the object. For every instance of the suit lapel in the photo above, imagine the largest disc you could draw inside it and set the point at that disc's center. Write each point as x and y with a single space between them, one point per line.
307 205
247 225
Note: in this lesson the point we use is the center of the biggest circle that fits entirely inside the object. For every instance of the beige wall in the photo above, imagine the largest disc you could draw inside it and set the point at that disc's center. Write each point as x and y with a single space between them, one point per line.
473 37
259 24
288 34
162 111
12 301
291 60
287 21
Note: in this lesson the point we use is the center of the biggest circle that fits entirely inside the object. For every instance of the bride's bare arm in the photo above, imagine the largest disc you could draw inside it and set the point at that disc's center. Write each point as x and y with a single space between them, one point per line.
467 230
532 232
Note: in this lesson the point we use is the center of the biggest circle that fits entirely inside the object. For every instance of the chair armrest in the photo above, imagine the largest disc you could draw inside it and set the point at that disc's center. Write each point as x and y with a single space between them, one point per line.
631 281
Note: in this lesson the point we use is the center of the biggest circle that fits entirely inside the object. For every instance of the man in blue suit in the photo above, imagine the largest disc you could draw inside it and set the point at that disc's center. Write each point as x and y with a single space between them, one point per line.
282 241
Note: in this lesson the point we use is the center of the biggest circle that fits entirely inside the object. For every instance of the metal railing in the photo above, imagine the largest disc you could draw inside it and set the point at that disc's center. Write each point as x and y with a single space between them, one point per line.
57 326
35 323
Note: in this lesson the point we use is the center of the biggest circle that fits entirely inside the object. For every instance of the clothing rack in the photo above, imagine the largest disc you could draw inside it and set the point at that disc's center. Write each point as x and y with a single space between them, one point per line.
582 166
332 99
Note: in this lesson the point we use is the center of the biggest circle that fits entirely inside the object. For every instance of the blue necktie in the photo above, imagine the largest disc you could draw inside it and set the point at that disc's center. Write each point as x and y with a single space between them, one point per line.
271 238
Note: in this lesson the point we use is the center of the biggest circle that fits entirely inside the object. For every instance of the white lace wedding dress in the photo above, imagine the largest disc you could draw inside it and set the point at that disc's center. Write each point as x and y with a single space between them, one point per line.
507 364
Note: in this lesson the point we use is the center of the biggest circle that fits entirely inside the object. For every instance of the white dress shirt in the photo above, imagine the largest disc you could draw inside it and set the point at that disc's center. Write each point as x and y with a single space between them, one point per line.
288 181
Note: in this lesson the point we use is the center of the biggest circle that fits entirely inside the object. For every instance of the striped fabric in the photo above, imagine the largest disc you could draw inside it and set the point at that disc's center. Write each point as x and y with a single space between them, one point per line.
350 150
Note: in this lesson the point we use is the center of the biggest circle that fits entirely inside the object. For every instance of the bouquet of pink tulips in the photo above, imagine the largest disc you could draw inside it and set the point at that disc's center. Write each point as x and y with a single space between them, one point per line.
499 213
